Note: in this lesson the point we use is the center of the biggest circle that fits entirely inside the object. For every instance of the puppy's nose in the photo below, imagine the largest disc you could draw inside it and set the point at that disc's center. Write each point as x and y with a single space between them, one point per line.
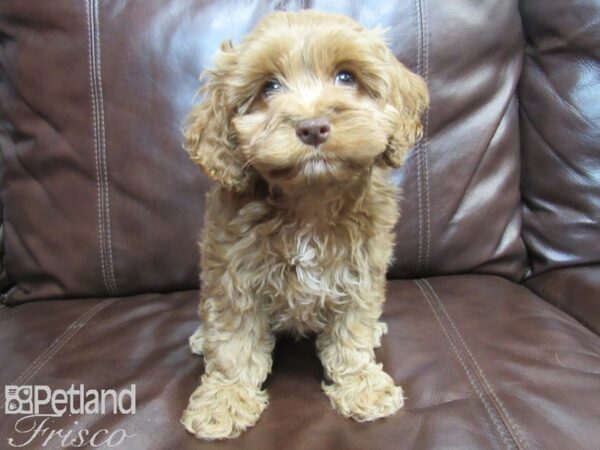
313 131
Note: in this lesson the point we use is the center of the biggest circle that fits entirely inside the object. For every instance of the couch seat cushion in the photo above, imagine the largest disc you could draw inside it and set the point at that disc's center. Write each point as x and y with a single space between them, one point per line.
484 364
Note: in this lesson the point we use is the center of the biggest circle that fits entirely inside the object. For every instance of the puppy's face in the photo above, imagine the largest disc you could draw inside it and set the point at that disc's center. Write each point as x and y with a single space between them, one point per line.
307 98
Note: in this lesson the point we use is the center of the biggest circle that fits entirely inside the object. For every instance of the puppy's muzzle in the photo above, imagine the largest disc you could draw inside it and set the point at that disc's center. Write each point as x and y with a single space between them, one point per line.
313 131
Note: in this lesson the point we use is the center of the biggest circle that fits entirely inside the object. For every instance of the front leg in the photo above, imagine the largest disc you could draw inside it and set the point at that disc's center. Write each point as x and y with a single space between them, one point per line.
359 387
237 350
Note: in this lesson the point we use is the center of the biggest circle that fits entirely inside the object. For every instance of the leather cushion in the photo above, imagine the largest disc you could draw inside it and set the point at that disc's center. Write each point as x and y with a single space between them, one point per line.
101 200
560 134
575 290
484 363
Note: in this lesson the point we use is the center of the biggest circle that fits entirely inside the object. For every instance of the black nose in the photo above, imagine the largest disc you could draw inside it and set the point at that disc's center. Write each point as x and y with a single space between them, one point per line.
313 131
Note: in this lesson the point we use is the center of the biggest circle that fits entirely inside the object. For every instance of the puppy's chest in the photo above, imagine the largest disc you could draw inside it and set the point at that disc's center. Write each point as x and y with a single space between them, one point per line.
312 275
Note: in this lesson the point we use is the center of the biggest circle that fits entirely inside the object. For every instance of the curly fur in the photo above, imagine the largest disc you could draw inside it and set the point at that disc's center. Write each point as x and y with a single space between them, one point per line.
298 238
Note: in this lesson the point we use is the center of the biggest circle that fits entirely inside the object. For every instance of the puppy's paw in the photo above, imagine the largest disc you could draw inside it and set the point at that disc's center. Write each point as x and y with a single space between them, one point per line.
379 331
222 411
365 396
196 341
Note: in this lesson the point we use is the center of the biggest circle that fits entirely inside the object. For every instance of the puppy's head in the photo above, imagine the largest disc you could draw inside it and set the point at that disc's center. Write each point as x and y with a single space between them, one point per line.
306 98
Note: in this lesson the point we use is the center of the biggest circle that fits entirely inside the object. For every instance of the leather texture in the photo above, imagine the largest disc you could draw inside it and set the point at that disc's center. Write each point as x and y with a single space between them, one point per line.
100 198
560 136
575 290
101 210
498 368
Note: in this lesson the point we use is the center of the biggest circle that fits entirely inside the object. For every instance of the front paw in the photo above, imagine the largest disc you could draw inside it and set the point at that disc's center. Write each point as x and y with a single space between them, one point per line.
366 395
222 411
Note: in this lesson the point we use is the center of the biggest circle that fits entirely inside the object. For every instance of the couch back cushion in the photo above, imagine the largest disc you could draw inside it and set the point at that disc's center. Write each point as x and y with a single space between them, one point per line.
100 199
560 137
560 133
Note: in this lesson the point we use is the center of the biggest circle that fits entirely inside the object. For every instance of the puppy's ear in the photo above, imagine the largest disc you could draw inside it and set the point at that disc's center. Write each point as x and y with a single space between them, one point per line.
408 99
209 136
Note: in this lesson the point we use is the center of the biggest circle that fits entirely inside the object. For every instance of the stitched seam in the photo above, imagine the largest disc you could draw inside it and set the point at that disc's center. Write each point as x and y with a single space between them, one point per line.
482 397
99 155
100 225
419 12
424 146
518 436
58 343
102 183
108 234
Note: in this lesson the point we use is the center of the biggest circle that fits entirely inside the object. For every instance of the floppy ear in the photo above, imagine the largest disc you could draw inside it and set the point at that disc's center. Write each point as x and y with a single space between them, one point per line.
408 98
209 136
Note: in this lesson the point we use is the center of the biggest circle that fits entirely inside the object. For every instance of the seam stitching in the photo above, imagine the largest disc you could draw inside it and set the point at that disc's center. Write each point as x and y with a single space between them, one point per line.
424 145
495 398
486 403
99 130
111 273
91 63
419 12
57 344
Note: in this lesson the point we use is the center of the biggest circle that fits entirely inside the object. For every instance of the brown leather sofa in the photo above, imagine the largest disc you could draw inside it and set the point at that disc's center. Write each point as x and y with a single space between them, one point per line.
494 297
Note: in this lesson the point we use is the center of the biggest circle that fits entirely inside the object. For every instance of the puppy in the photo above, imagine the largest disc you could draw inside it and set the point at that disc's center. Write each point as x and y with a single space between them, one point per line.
299 126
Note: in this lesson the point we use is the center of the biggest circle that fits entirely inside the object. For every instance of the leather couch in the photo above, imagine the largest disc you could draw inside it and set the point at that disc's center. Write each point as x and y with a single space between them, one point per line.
494 296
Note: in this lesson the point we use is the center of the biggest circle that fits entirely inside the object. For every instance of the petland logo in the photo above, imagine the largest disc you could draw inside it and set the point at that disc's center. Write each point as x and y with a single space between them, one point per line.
40 404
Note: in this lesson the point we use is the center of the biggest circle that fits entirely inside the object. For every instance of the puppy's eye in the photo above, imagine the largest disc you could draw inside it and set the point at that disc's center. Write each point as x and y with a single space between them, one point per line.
345 78
271 87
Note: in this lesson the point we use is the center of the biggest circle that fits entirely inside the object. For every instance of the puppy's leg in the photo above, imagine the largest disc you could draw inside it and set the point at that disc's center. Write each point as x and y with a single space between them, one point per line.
237 352
360 389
